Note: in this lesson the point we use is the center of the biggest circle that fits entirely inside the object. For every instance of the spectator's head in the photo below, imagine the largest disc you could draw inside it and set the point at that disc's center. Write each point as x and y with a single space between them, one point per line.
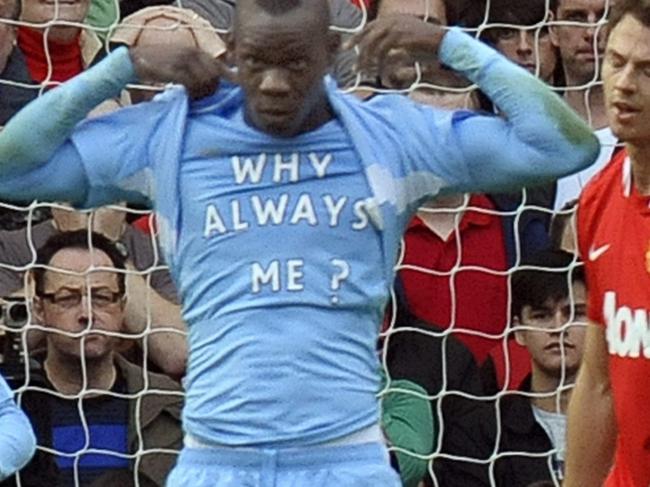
282 49
548 306
166 25
8 11
79 289
527 41
108 221
626 72
41 12
579 37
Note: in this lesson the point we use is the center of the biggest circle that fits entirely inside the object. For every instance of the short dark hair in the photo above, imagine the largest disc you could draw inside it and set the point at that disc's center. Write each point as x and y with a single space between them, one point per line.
280 7
639 9
519 13
554 270
79 239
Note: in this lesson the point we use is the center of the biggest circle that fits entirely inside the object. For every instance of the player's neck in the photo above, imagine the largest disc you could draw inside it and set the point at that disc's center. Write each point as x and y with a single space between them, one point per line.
542 383
640 157
65 373
589 103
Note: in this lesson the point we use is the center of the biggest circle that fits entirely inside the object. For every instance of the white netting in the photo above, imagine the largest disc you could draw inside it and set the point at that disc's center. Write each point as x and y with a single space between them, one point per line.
507 35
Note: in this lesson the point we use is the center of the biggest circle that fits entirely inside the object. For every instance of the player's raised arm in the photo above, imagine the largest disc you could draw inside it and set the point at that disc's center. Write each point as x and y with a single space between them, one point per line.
37 156
536 138
17 441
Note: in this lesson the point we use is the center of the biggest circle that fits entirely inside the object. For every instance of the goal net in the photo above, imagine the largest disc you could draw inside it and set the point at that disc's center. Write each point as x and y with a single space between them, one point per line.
449 328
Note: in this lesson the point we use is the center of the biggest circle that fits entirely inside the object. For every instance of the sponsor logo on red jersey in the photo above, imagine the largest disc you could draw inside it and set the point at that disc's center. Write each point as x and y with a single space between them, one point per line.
628 334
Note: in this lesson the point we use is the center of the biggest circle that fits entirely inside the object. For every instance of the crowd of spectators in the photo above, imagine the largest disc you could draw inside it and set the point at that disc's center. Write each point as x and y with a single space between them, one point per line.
484 336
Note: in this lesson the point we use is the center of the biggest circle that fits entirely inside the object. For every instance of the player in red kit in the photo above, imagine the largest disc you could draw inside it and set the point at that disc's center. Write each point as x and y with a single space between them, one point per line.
609 414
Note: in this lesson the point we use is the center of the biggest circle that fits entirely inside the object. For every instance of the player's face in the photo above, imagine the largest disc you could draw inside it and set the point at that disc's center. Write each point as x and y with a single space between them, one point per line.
581 47
552 349
65 306
626 80
281 62
530 48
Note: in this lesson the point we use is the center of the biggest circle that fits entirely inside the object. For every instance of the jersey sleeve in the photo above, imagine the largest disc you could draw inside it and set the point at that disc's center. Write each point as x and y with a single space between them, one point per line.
90 162
116 150
408 422
536 138
17 441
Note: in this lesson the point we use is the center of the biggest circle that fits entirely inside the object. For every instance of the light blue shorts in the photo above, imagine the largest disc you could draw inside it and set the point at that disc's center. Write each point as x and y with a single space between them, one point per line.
362 465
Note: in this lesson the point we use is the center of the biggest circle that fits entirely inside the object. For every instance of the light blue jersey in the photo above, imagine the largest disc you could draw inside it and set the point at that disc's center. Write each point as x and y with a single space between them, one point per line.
283 249
17 441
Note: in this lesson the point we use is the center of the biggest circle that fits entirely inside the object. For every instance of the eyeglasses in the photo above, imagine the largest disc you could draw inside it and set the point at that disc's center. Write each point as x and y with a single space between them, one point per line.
99 298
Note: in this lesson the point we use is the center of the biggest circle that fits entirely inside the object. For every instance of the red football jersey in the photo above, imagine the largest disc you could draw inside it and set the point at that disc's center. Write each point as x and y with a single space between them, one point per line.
614 241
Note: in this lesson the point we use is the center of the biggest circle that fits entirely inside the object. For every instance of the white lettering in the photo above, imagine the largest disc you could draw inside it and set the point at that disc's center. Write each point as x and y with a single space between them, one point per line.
334 208
362 215
291 165
304 211
295 274
213 222
627 330
320 165
269 209
260 276
641 332
249 170
237 223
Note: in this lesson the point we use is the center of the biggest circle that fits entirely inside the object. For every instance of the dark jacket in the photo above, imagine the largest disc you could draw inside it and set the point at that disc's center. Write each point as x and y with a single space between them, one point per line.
13 98
520 432
525 228
459 422
159 417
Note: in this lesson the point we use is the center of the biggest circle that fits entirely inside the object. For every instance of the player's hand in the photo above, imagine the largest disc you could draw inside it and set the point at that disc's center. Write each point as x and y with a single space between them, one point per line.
396 32
196 70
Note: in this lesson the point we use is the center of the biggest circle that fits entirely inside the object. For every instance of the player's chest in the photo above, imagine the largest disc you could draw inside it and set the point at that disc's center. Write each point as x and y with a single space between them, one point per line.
620 260
620 253
227 196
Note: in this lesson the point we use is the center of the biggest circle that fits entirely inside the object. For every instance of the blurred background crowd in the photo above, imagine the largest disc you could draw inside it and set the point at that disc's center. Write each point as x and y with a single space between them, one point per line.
484 334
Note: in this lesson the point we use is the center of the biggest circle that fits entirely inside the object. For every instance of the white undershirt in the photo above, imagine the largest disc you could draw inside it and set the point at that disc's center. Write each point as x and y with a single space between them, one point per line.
570 187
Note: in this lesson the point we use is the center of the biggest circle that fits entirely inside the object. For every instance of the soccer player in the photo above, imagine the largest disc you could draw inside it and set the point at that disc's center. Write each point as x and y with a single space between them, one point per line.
17 441
609 422
281 204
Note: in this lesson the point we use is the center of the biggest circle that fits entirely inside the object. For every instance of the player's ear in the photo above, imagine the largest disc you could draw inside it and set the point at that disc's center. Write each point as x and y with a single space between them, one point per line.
37 309
520 335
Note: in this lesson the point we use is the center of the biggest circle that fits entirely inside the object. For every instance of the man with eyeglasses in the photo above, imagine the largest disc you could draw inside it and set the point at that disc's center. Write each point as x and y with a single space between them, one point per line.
87 403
